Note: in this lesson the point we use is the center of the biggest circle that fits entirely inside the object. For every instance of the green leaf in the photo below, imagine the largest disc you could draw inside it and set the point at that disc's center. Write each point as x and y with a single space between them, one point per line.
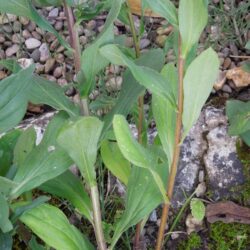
51 225
198 84
80 140
25 8
7 144
6 241
165 8
193 16
136 153
6 185
44 162
246 137
92 61
5 223
46 3
143 196
165 114
21 207
13 98
25 143
43 91
11 65
147 77
114 161
69 187
239 117
197 209
131 90
246 66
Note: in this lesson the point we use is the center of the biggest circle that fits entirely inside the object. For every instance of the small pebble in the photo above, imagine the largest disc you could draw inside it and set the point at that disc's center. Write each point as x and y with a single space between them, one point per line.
49 65
12 50
32 43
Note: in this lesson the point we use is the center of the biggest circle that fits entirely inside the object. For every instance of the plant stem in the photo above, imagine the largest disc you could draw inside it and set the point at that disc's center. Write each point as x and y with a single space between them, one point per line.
140 108
177 147
97 218
74 41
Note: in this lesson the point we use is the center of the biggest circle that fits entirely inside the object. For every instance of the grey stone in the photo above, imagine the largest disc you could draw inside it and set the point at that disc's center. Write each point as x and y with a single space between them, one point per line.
144 43
32 43
35 55
12 50
49 65
53 13
224 169
44 52
17 26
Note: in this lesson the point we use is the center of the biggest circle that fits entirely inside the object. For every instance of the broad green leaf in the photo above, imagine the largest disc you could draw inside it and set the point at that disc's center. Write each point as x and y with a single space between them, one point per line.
45 3
193 16
13 98
248 45
246 137
136 153
80 140
25 143
92 61
114 161
51 225
25 8
6 185
165 8
198 84
131 90
197 209
5 223
238 113
21 207
11 65
143 196
246 66
147 77
43 91
69 187
6 241
44 162
165 114
7 145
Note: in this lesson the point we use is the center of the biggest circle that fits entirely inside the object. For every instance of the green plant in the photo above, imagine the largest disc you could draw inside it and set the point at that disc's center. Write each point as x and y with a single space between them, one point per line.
193 242
238 113
75 134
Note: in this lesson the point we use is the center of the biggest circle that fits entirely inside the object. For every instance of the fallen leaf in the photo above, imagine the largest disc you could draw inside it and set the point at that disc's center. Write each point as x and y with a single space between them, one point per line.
35 108
135 6
220 81
227 212
240 77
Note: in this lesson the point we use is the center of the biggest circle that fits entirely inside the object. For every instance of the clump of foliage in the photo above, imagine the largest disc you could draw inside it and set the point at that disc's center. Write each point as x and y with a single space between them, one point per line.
192 243
229 236
76 135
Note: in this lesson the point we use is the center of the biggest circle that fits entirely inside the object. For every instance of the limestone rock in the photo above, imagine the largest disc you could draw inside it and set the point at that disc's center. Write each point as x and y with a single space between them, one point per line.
240 77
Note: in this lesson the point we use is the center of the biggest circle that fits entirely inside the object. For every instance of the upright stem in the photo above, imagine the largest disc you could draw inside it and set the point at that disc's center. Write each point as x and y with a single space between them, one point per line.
97 218
74 41
177 147
140 109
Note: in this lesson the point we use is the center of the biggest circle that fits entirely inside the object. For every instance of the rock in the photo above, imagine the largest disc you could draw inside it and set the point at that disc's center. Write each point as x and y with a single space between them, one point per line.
44 52
2 38
49 37
59 58
227 63
54 45
226 88
59 25
144 43
32 43
17 26
36 35
39 68
12 50
35 55
49 65
91 25
17 38
224 169
2 54
26 34
23 20
240 77
220 81
25 62
31 26
191 160
58 72
193 225
83 40
53 13
7 28
114 84
201 189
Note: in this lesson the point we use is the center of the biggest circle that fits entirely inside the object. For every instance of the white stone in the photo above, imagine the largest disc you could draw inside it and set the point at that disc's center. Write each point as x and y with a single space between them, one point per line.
32 43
